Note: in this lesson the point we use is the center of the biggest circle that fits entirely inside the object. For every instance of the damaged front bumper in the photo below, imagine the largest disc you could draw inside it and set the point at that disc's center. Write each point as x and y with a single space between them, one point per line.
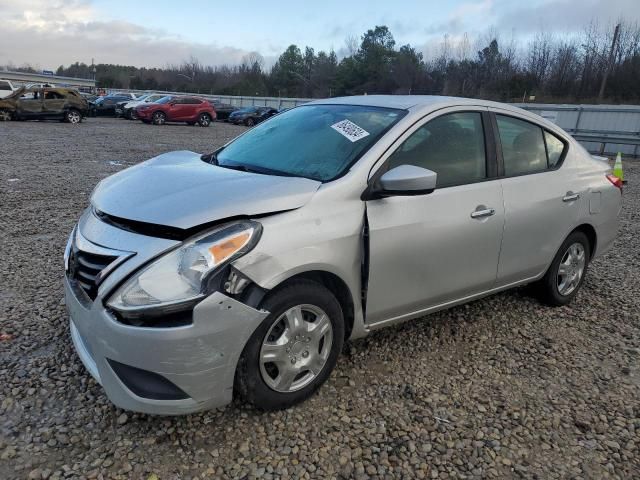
170 368
167 371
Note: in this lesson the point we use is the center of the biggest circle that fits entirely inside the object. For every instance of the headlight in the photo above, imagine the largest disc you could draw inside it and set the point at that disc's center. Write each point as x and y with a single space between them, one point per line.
180 276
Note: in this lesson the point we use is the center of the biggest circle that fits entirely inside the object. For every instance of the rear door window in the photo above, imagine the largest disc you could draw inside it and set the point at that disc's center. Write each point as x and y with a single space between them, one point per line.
451 145
523 146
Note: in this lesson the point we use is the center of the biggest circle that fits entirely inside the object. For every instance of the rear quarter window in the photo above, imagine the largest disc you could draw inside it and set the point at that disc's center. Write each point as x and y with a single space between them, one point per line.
555 148
5 86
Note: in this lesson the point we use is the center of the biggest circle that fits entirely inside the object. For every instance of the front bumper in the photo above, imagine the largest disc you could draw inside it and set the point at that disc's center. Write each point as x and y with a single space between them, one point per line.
143 114
198 359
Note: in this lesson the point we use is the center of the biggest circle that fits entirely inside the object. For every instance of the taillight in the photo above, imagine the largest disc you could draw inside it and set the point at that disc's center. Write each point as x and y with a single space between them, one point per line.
616 181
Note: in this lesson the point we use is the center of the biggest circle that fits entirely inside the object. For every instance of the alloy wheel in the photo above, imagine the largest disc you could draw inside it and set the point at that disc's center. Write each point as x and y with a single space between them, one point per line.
73 117
158 118
296 348
571 269
5 115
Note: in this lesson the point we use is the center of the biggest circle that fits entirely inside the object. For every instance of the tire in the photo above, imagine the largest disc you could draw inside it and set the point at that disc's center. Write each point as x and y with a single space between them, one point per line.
555 288
249 122
275 385
72 116
132 115
5 115
204 120
158 118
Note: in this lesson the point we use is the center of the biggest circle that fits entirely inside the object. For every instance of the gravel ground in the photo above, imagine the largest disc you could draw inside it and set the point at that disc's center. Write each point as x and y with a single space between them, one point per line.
499 388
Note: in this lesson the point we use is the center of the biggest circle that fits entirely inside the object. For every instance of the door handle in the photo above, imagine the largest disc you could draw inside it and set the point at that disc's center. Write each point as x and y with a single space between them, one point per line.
570 197
482 211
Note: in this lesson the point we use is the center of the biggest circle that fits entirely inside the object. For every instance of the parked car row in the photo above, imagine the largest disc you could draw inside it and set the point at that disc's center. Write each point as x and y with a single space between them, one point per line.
46 102
158 108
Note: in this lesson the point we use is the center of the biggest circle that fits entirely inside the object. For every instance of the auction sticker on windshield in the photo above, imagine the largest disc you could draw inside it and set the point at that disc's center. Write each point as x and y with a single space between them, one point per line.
350 130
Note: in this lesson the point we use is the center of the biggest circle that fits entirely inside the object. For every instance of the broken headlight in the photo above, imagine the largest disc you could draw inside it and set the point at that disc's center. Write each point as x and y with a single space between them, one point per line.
179 278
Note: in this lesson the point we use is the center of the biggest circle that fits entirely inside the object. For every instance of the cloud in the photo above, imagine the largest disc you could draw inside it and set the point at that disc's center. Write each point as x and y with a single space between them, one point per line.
565 16
59 32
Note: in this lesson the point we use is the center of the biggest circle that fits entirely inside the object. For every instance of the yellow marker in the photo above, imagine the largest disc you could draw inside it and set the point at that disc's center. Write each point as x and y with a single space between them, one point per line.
617 167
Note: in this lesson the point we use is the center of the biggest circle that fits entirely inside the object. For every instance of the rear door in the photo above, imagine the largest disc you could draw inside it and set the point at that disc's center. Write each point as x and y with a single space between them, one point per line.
429 250
542 196
53 104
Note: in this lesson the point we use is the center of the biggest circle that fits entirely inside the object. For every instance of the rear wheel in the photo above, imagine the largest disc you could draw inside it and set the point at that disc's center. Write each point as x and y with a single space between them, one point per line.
159 118
132 114
249 122
566 273
72 116
204 120
5 115
293 351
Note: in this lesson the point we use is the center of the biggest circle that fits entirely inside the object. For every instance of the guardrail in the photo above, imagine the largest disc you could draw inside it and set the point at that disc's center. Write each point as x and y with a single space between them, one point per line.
602 129
237 101
23 77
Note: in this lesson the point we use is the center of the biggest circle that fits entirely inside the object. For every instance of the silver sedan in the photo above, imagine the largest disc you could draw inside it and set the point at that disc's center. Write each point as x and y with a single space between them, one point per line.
191 279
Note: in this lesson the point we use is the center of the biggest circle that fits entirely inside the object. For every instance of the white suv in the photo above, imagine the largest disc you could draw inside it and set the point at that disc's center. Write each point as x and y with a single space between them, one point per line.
6 88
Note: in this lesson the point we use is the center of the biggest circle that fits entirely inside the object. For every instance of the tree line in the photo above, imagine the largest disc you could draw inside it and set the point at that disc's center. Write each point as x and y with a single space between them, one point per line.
549 68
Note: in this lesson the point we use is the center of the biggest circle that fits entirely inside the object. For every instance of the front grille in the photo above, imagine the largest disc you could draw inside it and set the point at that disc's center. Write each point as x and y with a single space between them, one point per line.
84 268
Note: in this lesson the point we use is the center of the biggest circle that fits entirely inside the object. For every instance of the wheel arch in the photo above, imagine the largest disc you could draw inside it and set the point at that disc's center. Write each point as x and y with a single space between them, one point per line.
591 234
337 286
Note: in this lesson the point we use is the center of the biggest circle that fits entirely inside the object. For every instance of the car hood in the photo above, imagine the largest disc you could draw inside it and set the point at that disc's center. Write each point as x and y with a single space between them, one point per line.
179 190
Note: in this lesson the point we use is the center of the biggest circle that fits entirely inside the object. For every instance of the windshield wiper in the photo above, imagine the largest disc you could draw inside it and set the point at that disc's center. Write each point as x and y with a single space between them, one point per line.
240 167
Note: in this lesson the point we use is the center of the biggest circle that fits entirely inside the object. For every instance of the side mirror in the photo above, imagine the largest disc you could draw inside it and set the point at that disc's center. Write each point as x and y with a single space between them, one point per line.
405 180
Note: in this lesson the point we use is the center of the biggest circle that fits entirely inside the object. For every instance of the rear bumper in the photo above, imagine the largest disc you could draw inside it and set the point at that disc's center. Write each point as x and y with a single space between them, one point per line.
198 360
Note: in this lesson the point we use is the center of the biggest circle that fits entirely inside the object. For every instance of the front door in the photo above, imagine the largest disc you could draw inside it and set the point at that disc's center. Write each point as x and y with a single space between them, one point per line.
31 105
433 249
179 110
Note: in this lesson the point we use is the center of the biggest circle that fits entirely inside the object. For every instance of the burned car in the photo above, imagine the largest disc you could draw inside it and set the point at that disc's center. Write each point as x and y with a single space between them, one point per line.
44 104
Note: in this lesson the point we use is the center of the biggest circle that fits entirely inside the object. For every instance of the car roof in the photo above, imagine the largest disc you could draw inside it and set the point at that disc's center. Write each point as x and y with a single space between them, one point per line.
428 103
411 102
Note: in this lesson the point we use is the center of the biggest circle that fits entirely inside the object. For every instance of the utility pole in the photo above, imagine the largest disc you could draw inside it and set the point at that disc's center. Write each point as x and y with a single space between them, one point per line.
609 62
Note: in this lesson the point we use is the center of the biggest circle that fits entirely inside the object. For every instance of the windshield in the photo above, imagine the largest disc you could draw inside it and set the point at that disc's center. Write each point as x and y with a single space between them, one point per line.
164 99
141 97
314 141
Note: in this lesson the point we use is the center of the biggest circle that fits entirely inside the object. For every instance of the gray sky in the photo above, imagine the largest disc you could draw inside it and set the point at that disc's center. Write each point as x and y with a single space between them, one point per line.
47 33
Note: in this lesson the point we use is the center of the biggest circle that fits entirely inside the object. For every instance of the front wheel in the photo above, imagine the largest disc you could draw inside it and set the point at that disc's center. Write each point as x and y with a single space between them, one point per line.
293 351
73 116
566 273
5 115
249 122
159 118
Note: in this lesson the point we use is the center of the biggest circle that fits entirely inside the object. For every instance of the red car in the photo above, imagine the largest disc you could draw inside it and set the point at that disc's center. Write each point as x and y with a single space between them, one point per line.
191 110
